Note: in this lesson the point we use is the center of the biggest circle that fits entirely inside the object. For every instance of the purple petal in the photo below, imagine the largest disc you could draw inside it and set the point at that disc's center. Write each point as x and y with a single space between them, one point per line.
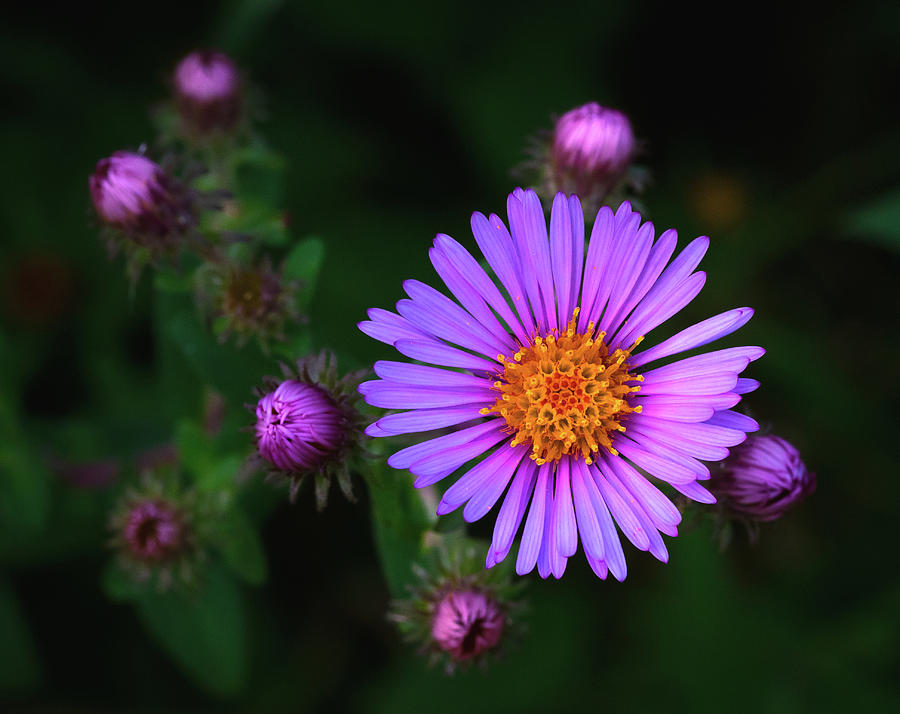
655 263
733 420
387 327
468 267
704 433
623 515
393 395
651 314
424 420
695 492
446 462
530 546
518 228
697 335
659 508
474 479
598 254
497 246
625 275
513 508
491 490
470 298
662 468
564 527
417 374
612 546
588 527
733 359
745 385
438 353
561 254
676 412
405 458
716 383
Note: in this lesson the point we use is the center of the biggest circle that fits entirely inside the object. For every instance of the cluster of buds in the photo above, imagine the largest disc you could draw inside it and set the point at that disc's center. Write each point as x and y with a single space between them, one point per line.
761 480
590 152
307 425
458 613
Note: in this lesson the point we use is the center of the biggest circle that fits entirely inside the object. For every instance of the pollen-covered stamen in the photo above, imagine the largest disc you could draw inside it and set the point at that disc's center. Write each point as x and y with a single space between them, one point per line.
566 394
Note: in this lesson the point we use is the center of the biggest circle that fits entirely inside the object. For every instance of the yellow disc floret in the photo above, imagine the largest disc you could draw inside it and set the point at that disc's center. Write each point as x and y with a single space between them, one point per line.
566 394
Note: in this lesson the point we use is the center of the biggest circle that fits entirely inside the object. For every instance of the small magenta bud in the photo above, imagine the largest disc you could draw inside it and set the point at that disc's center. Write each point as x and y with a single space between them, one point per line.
762 479
593 142
590 154
208 92
307 425
298 426
133 194
154 532
467 623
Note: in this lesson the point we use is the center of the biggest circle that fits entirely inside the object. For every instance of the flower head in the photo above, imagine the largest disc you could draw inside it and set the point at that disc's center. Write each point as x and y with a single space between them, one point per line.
537 373
156 532
762 479
467 623
250 300
590 153
141 203
208 92
307 424
458 612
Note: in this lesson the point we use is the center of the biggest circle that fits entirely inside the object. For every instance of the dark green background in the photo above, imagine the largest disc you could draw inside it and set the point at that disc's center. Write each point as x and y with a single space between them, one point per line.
396 122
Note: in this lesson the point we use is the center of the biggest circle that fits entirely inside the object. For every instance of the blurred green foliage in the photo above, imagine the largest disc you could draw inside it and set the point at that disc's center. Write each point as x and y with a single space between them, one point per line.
386 124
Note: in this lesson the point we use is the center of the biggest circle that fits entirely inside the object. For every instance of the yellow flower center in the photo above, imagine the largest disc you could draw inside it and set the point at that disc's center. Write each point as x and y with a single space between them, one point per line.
566 394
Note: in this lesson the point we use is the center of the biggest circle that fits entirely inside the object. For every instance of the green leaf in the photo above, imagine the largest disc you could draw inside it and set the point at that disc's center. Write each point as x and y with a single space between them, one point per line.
24 481
118 585
242 548
19 666
259 176
203 631
400 518
303 264
878 222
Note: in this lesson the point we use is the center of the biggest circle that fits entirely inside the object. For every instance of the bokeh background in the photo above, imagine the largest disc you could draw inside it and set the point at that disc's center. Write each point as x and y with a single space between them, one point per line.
773 132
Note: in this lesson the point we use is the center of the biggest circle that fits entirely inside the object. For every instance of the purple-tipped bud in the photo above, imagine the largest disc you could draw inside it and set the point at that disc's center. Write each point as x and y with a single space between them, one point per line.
133 194
208 92
307 425
154 532
591 149
467 623
762 479
298 427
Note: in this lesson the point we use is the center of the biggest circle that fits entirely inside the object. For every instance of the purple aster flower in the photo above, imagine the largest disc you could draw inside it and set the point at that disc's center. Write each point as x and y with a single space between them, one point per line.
762 479
467 623
208 92
307 424
537 374
133 194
